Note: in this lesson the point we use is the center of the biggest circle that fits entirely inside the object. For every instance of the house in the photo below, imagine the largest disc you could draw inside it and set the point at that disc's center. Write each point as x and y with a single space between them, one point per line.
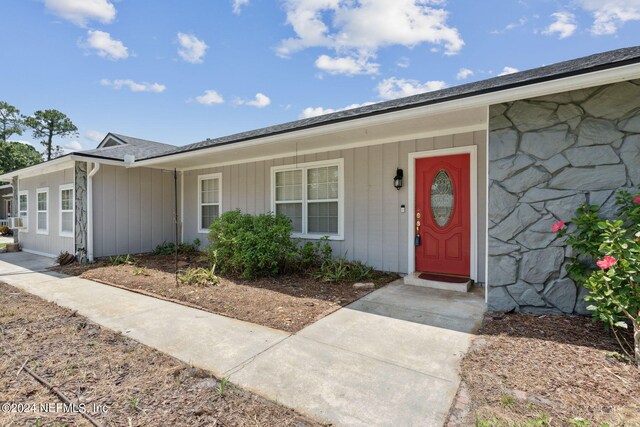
464 181
6 198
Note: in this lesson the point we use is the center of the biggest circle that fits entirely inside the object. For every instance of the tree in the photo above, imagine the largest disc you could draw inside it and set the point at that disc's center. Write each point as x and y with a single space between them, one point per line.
11 122
16 155
49 124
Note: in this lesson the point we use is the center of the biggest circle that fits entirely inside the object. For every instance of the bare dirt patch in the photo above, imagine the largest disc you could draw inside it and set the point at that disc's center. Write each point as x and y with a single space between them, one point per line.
91 365
527 370
289 302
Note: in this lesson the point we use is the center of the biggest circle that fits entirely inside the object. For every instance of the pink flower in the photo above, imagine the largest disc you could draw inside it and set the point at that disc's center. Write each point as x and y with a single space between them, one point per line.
637 200
606 262
557 226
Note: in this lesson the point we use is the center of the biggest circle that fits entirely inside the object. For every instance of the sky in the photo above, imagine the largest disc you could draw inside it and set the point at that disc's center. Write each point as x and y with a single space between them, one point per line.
182 71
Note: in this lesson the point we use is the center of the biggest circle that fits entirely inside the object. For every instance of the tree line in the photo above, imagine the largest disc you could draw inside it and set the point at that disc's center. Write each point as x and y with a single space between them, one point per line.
44 125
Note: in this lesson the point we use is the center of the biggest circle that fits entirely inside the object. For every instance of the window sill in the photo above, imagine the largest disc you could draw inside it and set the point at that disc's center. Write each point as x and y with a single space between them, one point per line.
317 236
66 235
43 233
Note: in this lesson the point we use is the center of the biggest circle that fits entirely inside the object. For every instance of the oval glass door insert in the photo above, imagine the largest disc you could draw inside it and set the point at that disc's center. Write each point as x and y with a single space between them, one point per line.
442 198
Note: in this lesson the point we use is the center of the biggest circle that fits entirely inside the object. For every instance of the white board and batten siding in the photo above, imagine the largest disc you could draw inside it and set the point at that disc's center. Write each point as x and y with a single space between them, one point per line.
133 210
51 243
375 231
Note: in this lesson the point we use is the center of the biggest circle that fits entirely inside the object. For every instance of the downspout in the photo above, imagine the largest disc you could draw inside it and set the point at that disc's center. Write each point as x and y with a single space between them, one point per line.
94 169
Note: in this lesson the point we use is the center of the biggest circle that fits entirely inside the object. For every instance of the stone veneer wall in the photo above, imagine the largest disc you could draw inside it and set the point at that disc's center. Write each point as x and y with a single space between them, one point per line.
548 156
80 192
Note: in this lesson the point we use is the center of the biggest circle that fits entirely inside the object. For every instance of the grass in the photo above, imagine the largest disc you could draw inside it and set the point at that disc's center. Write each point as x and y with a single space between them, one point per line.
2 245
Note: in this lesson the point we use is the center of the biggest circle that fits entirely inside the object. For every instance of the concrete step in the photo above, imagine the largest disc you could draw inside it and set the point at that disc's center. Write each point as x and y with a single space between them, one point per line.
447 285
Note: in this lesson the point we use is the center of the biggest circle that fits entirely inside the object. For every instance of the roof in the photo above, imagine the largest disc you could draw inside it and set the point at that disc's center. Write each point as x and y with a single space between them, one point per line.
140 148
584 65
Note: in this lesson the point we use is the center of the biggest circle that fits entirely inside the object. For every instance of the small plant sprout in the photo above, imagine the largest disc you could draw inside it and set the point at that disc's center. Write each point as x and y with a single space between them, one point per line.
140 271
507 401
222 386
135 403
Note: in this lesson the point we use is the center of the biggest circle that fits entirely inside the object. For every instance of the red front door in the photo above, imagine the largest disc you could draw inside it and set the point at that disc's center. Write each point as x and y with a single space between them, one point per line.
443 215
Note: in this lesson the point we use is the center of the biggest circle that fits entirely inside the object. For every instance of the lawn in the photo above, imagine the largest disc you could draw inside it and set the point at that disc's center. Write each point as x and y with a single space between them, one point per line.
137 385
288 302
532 370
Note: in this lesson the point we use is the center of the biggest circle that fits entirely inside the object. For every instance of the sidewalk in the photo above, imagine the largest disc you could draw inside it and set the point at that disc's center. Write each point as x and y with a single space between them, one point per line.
389 359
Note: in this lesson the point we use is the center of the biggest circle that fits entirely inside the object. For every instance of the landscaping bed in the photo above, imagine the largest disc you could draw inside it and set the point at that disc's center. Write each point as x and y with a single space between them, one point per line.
287 302
531 370
137 385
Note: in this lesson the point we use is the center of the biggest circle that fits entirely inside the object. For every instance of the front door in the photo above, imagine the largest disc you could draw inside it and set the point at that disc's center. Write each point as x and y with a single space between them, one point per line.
443 215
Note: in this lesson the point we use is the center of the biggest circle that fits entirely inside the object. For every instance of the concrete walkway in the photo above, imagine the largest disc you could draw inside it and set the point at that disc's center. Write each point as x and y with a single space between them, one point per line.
389 359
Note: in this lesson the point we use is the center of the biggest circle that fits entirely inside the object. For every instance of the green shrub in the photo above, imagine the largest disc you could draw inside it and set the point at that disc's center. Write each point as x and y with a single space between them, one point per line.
608 265
4 230
314 254
169 248
252 245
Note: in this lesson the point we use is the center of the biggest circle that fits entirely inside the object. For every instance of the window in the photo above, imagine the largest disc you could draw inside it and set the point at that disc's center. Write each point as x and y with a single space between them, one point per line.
311 196
23 209
209 200
42 202
67 216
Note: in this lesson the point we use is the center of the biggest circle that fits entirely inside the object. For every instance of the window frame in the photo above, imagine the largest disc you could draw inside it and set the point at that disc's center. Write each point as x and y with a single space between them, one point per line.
66 187
201 178
305 201
39 191
26 211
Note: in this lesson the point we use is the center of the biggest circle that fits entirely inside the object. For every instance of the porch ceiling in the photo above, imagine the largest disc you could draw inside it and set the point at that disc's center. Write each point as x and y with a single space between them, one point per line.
304 143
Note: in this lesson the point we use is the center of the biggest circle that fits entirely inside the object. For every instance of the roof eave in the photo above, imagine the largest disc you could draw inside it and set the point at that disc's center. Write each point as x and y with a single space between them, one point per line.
595 76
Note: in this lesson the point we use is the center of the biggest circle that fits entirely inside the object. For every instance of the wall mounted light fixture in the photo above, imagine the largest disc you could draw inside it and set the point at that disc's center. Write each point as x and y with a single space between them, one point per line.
397 180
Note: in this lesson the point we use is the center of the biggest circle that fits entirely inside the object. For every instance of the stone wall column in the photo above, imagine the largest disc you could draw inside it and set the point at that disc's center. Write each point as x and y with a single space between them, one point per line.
80 192
14 207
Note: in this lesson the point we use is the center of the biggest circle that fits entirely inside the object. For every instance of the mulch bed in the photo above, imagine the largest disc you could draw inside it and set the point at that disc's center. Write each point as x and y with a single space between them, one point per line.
525 367
288 302
92 365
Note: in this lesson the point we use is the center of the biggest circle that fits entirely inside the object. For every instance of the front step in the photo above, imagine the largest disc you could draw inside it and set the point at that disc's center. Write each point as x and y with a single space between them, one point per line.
454 284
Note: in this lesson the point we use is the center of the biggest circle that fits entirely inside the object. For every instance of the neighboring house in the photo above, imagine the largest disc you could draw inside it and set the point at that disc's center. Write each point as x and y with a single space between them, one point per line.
6 198
486 169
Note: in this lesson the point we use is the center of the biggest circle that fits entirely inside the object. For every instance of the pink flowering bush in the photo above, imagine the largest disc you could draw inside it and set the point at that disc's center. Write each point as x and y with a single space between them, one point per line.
607 263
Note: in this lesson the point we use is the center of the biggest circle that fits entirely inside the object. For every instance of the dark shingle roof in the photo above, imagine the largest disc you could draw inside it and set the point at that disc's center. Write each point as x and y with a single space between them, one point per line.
587 64
140 148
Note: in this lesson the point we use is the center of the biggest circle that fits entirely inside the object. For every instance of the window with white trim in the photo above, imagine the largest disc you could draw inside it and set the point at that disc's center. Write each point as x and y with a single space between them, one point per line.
67 215
311 195
23 209
209 200
42 206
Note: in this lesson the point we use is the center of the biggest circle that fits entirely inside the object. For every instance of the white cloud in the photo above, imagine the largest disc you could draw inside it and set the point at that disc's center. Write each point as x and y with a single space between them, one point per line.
210 97
393 87
610 15
346 65
508 70
191 48
564 25
260 101
134 86
81 11
356 30
238 5
73 146
95 135
403 62
464 73
105 46
511 26
319 111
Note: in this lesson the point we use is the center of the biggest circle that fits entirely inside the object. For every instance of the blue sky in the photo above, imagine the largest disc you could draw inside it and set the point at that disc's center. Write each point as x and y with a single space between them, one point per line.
182 71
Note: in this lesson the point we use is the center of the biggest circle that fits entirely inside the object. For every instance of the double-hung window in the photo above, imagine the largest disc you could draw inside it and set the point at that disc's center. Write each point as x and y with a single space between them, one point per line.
67 216
209 200
311 195
23 209
42 205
